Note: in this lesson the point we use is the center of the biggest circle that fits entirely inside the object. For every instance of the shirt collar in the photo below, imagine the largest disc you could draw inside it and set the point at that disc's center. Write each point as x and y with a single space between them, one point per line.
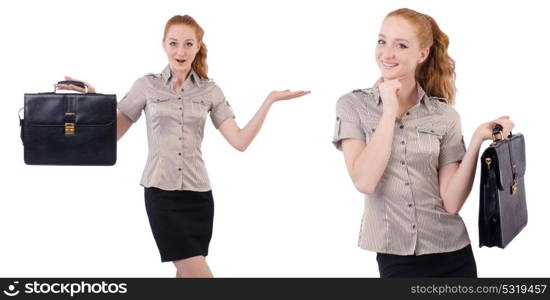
424 99
167 76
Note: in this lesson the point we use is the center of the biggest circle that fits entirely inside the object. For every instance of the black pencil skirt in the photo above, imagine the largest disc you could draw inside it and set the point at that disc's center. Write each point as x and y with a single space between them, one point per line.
181 222
460 263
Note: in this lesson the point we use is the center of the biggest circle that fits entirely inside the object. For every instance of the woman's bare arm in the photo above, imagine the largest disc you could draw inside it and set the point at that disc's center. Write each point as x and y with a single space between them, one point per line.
366 163
123 123
239 138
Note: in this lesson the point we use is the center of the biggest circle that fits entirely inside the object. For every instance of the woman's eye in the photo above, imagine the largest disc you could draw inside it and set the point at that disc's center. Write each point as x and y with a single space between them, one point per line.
402 46
381 42
189 44
172 43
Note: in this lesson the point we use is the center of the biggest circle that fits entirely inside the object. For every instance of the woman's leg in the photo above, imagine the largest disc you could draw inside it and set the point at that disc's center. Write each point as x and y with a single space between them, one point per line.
195 266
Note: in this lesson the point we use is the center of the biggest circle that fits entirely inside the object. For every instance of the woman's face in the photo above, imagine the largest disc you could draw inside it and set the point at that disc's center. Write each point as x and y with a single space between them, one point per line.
398 51
181 46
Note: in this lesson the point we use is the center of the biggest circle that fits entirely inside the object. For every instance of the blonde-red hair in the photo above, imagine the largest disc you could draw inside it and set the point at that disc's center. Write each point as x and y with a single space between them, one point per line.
436 74
199 63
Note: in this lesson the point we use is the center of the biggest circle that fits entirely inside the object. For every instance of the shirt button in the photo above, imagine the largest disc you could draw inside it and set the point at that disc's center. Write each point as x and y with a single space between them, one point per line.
410 205
403 142
402 162
374 129
179 169
414 226
401 127
408 113
181 108
407 184
181 123
179 98
179 138
179 154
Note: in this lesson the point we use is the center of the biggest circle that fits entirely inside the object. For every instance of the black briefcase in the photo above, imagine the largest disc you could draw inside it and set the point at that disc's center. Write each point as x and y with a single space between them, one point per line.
502 206
69 128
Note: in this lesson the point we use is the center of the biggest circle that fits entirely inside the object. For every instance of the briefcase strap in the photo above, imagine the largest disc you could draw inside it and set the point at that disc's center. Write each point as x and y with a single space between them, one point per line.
515 182
498 130
21 123
490 191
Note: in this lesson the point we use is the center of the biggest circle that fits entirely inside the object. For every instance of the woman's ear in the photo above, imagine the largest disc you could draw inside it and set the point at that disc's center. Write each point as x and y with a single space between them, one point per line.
199 45
424 53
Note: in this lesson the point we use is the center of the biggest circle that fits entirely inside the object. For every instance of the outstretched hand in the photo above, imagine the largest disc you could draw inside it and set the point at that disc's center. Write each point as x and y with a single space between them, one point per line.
286 95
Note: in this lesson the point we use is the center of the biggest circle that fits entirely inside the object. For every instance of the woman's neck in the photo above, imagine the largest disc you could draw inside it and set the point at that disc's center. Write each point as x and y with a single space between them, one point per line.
408 95
180 77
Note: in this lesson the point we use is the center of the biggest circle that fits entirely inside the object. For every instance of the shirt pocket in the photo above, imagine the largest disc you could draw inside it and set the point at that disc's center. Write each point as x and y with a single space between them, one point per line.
196 110
158 107
429 142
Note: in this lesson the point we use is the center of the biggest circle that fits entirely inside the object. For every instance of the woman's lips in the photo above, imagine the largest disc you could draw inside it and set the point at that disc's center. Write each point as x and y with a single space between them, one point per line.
389 65
180 61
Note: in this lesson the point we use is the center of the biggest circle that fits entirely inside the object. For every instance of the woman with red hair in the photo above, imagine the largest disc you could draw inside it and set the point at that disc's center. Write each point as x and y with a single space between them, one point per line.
176 102
403 148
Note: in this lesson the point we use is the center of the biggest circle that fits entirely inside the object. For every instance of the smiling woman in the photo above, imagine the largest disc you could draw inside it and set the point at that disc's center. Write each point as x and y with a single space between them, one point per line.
403 148
176 102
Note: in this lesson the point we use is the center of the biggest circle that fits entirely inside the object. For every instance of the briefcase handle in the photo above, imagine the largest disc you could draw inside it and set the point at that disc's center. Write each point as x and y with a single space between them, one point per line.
498 130
73 82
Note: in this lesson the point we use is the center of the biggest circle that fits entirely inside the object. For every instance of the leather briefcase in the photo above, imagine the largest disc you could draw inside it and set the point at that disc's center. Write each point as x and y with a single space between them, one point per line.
502 205
69 128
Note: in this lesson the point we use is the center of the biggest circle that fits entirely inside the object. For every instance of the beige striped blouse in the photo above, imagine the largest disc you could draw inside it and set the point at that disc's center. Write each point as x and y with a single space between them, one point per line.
175 127
405 214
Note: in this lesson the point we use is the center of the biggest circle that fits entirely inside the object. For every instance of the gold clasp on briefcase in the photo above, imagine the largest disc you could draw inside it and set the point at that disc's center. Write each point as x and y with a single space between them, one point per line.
488 161
69 126
514 186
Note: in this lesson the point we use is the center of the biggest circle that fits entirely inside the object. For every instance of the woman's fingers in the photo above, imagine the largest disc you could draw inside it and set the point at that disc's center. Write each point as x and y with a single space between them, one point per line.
507 125
74 79
504 121
301 92
297 94
70 87
288 94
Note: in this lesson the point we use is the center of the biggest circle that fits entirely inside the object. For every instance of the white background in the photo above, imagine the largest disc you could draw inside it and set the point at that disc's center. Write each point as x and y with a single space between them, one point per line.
285 207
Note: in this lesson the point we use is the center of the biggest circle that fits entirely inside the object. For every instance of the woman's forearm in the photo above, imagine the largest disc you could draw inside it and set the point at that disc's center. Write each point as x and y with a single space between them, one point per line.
242 138
369 166
460 184
123 123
